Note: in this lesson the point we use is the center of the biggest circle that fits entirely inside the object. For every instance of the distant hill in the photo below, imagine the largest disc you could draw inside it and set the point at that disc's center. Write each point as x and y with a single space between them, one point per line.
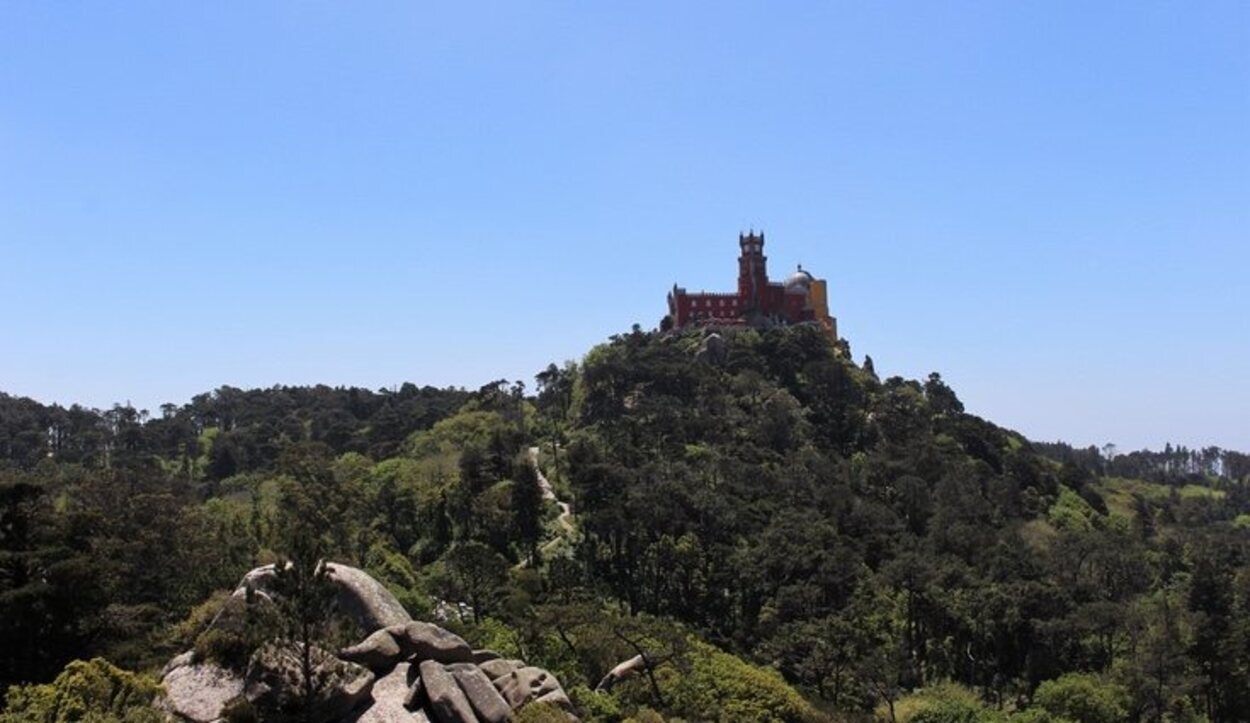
748 493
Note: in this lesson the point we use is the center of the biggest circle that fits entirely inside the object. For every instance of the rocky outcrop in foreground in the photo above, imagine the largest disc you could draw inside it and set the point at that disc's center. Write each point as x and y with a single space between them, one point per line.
404 671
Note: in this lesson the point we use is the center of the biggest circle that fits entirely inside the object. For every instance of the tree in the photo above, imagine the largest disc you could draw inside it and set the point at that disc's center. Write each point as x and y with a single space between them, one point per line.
50 591
822 654
475 574
527 507
941 397
304 591
1083 697
1157 670
555 397
473 469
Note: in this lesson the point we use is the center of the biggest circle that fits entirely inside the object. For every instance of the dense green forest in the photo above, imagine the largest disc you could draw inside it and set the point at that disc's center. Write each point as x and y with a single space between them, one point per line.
785 535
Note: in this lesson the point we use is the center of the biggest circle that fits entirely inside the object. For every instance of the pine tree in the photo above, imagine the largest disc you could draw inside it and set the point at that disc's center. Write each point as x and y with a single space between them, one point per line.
304 591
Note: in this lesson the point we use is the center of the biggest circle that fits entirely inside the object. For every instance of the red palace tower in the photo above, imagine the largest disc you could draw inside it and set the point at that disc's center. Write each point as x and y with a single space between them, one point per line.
758 301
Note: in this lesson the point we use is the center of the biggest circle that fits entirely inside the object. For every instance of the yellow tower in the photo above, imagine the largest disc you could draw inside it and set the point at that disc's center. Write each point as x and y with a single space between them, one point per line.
818 302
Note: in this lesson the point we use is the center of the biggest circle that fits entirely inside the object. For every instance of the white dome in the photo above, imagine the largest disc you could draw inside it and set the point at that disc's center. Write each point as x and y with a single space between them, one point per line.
799 281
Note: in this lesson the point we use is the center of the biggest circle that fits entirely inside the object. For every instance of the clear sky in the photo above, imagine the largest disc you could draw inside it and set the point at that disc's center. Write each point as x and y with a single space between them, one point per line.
1048 203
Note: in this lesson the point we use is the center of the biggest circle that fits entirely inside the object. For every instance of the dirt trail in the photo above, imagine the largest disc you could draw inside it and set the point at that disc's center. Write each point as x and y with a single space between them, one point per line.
565 520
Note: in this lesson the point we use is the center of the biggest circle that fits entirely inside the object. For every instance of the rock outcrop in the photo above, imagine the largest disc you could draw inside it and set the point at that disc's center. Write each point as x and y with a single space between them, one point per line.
627 669
404 670
199 691
273 683
366 600
362 599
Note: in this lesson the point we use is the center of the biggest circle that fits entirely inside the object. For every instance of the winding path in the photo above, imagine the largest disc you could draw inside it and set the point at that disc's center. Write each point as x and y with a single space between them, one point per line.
565 520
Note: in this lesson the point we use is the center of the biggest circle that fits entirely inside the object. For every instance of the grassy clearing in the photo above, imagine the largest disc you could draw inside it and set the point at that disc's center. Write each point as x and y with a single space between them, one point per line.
1120 493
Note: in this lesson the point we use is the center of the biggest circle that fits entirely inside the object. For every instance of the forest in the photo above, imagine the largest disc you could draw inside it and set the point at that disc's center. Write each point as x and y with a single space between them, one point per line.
783 534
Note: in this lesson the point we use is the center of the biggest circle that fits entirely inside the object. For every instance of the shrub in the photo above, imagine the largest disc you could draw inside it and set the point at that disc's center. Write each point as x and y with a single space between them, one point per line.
541 713
595 707
183 634
491 634
94 691
943 703
709 684
956 711
1083 697
224 647
1071 512
1037 715
241 628
394 571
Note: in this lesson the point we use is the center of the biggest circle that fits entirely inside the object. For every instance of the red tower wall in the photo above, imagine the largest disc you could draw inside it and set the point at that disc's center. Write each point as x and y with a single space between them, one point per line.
755 295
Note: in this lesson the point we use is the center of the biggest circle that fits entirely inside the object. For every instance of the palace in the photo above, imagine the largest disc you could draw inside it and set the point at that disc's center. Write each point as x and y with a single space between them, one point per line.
802 298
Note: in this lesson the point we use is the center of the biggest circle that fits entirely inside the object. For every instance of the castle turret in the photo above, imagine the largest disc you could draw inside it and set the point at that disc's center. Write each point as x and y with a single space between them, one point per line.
752 270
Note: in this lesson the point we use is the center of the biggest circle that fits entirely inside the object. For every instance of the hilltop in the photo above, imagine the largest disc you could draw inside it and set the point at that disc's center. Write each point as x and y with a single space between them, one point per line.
780 533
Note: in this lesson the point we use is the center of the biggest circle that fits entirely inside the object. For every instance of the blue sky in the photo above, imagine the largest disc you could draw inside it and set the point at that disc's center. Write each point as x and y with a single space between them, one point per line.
1048 203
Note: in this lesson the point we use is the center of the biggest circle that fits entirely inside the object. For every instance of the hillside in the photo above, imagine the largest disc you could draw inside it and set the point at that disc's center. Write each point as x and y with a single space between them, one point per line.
781 533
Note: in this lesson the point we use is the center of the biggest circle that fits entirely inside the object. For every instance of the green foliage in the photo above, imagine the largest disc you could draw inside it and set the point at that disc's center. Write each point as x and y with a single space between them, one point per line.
304 595
646 715
943 703
1072 513
864 536
1037 715
243 624
473 573
956 712
541 713
709 684
594 707
395 572
93 691
1083 697
473 428
184 632
491 634
527 507
224 647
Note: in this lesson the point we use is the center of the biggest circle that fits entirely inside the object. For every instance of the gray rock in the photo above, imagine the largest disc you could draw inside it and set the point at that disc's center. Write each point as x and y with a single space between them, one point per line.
394 686
497 668
627 669
456 684
525 684
274 683
259 580
430 642
386 712
366 600
378 652
353 687
557 698
241 607
512 664
447 702
198 691
712 351
178 661
485 700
